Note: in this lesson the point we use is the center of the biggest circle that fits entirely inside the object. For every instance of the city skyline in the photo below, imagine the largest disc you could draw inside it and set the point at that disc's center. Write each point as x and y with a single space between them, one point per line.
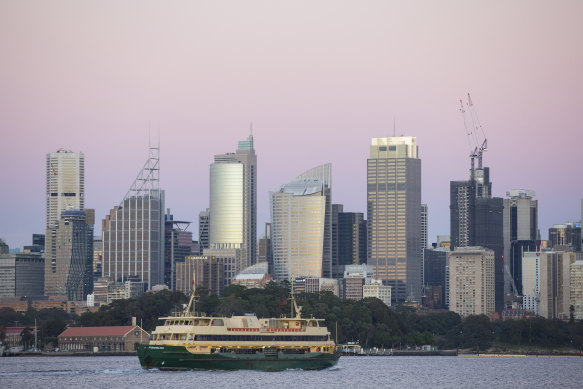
324 89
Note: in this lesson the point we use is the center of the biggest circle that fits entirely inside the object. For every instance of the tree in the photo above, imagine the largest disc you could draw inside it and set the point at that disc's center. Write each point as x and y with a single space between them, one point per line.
26 338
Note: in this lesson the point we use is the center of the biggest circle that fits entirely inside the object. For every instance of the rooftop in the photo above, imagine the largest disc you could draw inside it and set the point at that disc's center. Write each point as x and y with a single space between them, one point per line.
97 331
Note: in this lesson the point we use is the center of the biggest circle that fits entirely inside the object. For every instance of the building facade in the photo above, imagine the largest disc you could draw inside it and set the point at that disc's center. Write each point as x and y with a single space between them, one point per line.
207 271
471 281
351 239
22 275
133 232
576 293
378 290
69 255
233 205
520 233
323 173
476 219
394 215
566 236
298 217
434 270
65 180
100 339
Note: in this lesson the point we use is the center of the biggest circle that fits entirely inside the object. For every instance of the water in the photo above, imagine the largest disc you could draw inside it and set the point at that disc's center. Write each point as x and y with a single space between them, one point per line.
350 373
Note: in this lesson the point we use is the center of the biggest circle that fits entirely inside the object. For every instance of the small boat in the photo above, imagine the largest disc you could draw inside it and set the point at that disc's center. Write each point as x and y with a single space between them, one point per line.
187 340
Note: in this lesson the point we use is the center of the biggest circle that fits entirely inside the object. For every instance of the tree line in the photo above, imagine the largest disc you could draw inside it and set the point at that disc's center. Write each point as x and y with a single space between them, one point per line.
368 322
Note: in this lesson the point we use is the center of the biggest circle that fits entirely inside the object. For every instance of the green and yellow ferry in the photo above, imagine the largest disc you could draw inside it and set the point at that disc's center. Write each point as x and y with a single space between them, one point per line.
187 340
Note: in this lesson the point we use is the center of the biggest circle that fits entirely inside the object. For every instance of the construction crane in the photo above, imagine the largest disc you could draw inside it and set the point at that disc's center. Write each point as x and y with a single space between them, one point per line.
473 132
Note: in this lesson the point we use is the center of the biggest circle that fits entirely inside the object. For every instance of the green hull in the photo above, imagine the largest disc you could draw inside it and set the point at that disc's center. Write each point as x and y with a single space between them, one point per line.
178 358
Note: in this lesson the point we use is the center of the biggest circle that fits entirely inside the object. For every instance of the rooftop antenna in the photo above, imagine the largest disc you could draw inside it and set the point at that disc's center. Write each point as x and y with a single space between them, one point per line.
251 127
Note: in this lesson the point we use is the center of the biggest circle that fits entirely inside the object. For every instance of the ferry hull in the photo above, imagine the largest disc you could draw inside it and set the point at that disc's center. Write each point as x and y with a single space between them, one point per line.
178 358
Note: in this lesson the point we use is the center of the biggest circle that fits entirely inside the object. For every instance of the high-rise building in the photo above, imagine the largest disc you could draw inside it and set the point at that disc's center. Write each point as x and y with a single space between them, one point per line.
476 219
298 214
323 173
355 277
576 295
265 251
233 209
207 271
69 255
65 174
203 230
351 239
547 282
424 226
97 258
337 269
133 232
22 274
520 233
565 236
378 290
434 273
471 281
4 249
394 215
177 246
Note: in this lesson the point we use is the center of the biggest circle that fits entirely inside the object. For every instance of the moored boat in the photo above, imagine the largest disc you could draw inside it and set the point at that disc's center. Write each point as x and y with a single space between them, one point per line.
187 340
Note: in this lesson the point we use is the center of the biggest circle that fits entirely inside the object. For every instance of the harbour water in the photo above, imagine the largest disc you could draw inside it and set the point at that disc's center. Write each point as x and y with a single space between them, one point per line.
350 373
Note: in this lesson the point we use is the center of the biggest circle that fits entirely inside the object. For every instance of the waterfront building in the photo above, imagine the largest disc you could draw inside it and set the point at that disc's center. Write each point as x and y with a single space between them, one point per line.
133 232
471 285
69 255
520 232
376 289
576 293
22 274
99 339
566 236
208 271
65 180
233 208
394 215
298 217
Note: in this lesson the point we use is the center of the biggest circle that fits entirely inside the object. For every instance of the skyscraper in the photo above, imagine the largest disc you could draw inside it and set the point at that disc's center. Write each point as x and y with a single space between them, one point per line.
394 215
233 209
323 173
65 174
298 214
69 255
203 230
476 220
351 239
133 232
520 233
565 236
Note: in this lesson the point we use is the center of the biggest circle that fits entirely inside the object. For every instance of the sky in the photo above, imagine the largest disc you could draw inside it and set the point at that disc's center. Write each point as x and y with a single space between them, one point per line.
318 80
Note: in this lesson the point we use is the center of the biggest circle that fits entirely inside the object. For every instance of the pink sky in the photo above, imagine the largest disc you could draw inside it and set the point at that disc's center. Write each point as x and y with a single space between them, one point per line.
318 80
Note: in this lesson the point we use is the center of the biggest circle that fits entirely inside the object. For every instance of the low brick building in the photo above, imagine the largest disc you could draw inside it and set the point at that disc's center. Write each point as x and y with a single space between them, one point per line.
90 339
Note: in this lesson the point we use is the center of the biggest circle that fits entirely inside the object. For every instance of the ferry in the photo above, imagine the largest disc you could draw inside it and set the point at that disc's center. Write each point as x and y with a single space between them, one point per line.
187 340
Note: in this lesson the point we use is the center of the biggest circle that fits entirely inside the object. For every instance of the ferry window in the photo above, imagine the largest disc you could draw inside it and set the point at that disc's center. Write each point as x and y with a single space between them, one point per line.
182 336
190 336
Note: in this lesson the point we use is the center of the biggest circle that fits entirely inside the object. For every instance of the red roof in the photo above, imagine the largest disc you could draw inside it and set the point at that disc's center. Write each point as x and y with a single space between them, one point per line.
17 330
97 331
